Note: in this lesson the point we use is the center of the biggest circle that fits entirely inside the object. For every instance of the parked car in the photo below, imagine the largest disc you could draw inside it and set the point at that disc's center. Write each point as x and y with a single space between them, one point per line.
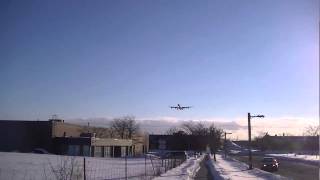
270 164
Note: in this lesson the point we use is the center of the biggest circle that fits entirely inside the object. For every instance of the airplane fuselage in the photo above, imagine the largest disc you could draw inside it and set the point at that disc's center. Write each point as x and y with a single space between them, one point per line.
179 107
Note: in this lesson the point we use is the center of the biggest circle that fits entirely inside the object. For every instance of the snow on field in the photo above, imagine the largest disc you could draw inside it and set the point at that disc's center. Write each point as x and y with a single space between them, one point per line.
186 170
27 166
315 158
234 170
235 145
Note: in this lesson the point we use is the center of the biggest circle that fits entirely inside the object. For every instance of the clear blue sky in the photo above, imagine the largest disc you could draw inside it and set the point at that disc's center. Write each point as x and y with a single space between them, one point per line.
112 58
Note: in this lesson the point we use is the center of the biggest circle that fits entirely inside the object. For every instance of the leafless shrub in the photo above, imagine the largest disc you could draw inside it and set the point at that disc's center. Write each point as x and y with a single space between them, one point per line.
125 127
175 131
312 131
67 169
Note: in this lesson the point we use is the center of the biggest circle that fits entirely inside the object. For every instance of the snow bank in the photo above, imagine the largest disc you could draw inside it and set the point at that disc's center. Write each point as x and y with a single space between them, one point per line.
235 145
234 170
186 170
314 158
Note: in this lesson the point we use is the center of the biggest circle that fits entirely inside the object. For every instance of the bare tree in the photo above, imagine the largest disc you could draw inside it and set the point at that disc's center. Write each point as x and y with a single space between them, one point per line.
111 133
193 128
67 168
119 126
132 126
175 130
102 132
125 127
312 131
200 129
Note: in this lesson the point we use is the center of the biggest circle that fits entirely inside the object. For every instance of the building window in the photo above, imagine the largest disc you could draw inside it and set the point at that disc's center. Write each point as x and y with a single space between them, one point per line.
130 150
97 151
107 151
73 150
123 151
86 150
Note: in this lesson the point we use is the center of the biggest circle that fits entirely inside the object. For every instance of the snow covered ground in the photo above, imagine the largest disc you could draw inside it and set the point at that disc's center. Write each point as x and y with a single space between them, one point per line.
234 145
234 170
315 158
27 166
186 170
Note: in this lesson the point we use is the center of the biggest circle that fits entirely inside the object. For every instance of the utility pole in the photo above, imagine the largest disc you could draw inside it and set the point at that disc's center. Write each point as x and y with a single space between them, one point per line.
249 143
84 169
225 143
249 135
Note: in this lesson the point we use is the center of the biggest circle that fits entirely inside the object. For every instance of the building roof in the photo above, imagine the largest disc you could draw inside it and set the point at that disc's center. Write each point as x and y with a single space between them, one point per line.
110 142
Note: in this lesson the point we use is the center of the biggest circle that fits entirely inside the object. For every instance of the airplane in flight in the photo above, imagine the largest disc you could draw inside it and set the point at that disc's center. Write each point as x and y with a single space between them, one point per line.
178 107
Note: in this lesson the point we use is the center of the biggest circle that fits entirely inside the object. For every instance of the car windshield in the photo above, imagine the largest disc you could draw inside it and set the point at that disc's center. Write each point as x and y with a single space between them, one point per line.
267 159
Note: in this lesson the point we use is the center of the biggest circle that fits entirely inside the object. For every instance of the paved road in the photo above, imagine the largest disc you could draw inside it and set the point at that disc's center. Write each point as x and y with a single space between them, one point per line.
314 163
293 169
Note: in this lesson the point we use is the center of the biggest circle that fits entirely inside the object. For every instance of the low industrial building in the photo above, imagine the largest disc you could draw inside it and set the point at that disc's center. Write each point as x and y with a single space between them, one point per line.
89 145
58 137
180 142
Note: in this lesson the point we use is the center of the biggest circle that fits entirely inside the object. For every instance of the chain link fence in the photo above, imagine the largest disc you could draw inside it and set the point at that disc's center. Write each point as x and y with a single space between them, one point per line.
53 167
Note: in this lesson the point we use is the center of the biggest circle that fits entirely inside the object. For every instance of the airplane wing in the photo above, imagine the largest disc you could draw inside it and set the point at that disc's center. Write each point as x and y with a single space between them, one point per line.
173 107
186 107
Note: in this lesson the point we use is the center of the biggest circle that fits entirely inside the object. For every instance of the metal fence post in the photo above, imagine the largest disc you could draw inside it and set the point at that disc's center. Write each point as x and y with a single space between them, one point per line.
154 172
165 165
84 168
125 159
145 166
172 162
